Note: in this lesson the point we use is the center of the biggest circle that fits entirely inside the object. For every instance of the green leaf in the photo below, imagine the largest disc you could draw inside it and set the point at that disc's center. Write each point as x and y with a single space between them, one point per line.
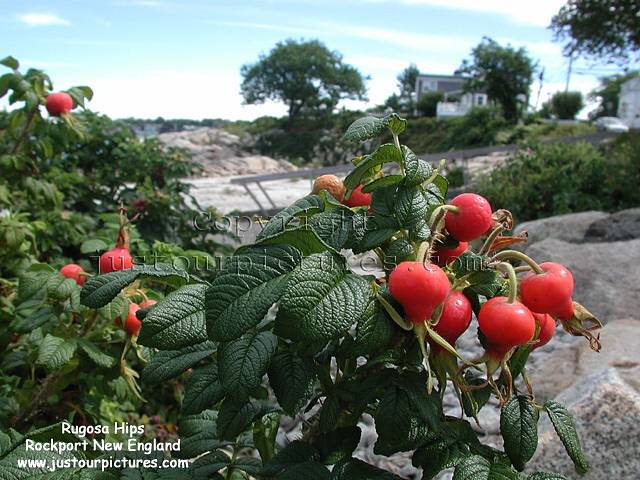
475 467
384 154
170 363
306 471
386 181
79 94
303 238
35 319
437 454
322 300
10 62
96 355
333 226
398 251
294 453
246 288
356 469
101 289
411 206
546 476
202 390
338 445
365 128
566 430
235 416
54 352
32 285
210 464
375 330
93 245
265 432
59 287
278 223
416 170
199 434
243 362
329 413
176 321
519 428
292 379
395 123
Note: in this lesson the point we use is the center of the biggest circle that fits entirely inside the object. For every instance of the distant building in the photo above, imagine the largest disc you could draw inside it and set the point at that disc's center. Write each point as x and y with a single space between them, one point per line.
456 101
629 105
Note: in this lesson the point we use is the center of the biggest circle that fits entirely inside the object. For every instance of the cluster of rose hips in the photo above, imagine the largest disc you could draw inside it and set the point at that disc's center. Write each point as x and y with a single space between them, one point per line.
432 304
118 258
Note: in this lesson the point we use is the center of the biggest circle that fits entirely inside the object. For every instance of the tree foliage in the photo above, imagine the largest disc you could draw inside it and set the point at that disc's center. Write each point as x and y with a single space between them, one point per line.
306 76
566 105
428 104
603 29
608 93
504 73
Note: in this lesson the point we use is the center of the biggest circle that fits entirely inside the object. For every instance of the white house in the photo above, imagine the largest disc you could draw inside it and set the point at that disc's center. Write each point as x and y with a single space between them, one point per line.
456 101
629 105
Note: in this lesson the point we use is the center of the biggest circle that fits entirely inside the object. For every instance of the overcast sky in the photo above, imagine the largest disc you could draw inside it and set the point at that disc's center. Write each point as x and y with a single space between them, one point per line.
182 59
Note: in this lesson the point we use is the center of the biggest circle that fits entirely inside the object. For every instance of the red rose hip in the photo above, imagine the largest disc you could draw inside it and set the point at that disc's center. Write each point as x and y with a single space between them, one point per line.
132 324
59 103
357 198
115 259
419 288
505 325
445 256
74 272
547 329
549 292
472 220
455 317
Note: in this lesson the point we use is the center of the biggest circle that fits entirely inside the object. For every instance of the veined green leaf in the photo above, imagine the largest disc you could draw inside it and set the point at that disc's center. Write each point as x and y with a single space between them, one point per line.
54 352
384 154
168 364
475 467
416 170
308 205
202 390
519 428
292 379
96 355
566 430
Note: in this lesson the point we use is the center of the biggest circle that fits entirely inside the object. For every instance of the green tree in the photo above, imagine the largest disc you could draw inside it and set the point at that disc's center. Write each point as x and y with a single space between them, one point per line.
505 73
566 105
306 76
407 85
428 104
608 93
608 29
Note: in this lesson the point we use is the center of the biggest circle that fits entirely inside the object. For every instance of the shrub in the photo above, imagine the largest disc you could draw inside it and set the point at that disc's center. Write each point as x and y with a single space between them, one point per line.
545 180
428 103
566 105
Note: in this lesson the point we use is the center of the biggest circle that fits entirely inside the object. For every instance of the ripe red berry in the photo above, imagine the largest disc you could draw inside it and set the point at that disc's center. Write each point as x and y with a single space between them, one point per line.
115 259
74 272
419 288
331 184
472 220
547 329
132 324
444 256
358 199
59 103
549 292
147 303
505 325
455 317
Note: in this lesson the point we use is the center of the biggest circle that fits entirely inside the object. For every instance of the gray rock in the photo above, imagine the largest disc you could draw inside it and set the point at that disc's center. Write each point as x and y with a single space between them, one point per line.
620 340
623 225
606 411
569 228
605 274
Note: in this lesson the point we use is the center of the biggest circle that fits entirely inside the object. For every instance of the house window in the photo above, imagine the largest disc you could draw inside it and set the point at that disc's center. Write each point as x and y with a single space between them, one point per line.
480 100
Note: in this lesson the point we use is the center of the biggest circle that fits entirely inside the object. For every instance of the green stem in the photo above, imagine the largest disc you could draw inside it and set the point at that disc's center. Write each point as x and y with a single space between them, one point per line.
395 316
396 142
435 225
24 132
513 280
420 329
486 246
514 254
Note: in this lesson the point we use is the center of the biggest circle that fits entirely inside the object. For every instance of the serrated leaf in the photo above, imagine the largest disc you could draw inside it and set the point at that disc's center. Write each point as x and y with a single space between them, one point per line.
294 453
292 379
395 123
246 288
35 319
96 355
365 128
322 300
386 153
416 170
373 239
306 471
54 352
566 430
374 330
519 429
398 251
202 390
437 454
305 206
303 238
59 287
101 289
333 226
337 445
93 245
546 476
210 463
168 364
198 434
177 321
411 206
32 285
235 416
475 467
356 469
385 181
329 413
243 362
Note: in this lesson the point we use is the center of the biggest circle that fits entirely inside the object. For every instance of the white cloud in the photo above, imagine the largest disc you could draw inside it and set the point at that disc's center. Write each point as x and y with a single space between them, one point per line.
527 12
43 19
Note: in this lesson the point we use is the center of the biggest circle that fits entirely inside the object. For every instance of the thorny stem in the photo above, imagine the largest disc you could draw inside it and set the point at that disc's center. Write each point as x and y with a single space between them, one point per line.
426 248
513 280
514 254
